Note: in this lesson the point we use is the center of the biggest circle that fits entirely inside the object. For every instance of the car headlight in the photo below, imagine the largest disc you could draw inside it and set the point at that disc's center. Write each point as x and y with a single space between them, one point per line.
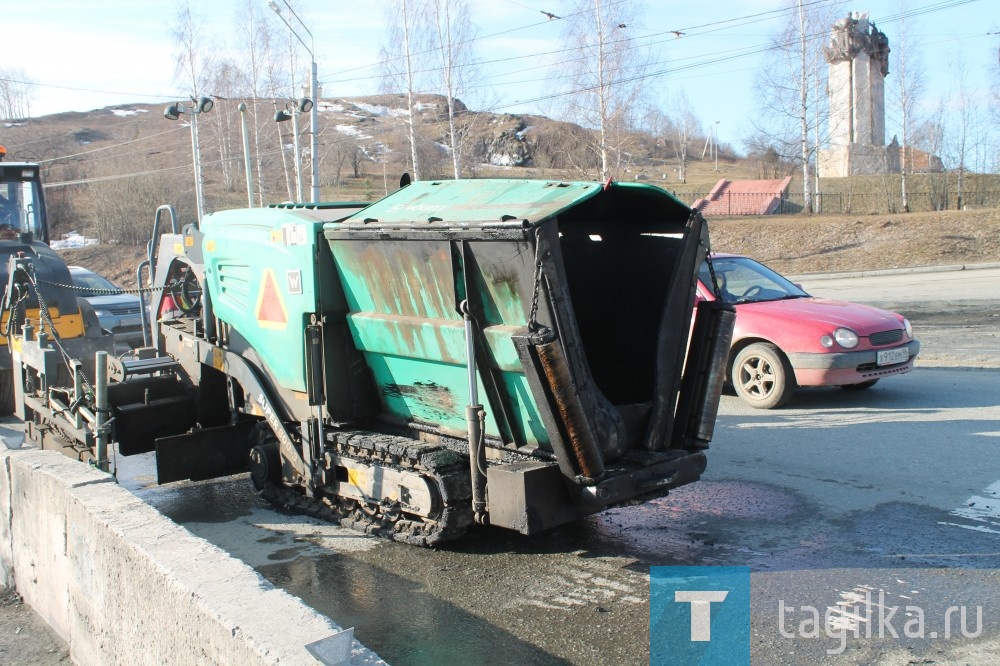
846 338
909 328
102 314
826 341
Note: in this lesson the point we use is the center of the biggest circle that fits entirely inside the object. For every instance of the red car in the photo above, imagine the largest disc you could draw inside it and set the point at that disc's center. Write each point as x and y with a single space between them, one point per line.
785 338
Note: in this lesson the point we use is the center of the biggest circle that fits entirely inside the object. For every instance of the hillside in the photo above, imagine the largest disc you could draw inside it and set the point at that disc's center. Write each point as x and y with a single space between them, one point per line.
790 244
108 169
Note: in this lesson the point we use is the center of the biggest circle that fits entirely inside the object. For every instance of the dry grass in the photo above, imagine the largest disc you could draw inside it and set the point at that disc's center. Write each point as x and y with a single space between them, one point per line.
115 262
790 244
822 243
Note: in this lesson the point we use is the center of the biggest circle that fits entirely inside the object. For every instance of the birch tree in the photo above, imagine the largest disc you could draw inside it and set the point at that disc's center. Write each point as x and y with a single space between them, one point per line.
995 102
289 102
454 36
962 118
224 121
15 94
407 36
605 78
192 68
907 92
931 137
787 88
255 40
684 126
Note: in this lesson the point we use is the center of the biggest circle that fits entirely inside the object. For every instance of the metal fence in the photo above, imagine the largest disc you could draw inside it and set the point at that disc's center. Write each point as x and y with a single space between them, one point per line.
858 203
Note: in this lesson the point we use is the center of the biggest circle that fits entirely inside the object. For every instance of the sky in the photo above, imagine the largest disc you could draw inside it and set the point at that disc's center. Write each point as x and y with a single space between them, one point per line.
88 54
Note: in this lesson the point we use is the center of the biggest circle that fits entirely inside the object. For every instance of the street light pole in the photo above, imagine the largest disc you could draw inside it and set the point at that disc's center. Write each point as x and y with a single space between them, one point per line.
313 92
301 106
314 125
199 191
246 153
173 112
297 154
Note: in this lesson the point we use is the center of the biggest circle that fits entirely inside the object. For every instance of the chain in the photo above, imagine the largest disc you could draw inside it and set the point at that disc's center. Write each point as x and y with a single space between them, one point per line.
533 313
43 310
13 309
711 269
96 291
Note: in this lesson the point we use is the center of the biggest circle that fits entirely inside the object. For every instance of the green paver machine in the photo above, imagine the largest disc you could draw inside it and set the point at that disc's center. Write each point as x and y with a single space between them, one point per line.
513 353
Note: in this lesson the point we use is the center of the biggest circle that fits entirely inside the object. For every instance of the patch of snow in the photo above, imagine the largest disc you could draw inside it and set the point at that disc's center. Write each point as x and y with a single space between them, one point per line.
71 240
376 152
13 124
443 147
505 160
377 110
373 109
420 106
328 106
520 135
122 113
350 130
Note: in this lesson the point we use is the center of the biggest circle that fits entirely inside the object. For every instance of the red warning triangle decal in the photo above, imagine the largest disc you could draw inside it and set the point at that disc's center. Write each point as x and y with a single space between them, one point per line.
271 311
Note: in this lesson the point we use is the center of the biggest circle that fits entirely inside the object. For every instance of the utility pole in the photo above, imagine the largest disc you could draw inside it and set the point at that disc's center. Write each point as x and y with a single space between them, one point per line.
716 142
173 112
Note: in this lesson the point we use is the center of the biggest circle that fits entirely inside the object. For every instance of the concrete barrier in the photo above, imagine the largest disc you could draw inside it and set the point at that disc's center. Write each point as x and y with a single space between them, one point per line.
122 584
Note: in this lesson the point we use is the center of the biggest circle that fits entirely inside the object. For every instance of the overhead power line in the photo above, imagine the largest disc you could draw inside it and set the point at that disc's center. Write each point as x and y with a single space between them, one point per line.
704 60
117 145
158 98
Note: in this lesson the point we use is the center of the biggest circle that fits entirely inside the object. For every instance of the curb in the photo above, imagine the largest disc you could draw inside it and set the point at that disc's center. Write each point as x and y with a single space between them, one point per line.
894 271
122 584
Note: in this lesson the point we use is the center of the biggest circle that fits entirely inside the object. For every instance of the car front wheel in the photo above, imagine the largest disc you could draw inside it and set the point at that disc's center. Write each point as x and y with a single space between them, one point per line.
762 376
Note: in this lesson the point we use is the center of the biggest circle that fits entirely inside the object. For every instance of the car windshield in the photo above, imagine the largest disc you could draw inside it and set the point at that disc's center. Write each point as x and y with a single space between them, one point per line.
93 284
743 280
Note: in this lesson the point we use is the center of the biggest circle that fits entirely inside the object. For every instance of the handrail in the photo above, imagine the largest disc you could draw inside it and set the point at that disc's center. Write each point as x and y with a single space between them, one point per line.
147 323
155 236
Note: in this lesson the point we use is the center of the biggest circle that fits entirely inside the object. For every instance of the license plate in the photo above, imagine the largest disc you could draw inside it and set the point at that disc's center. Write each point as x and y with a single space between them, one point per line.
136 321
893 356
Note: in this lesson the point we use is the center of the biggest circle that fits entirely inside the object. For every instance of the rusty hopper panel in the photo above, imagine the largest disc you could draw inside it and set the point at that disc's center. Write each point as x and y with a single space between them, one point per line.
608 258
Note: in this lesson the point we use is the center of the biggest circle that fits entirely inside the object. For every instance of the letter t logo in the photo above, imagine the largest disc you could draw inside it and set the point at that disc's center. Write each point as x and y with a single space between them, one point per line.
701 610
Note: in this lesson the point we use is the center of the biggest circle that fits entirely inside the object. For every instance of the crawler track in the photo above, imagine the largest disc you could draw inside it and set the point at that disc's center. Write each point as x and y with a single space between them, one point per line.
448 470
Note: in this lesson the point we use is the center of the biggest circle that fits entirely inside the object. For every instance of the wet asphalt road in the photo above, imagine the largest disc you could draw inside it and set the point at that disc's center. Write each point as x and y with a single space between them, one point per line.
849 503
873 499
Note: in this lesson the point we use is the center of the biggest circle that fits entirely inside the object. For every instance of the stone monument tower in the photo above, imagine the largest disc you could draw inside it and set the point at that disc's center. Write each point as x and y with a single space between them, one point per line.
858 56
